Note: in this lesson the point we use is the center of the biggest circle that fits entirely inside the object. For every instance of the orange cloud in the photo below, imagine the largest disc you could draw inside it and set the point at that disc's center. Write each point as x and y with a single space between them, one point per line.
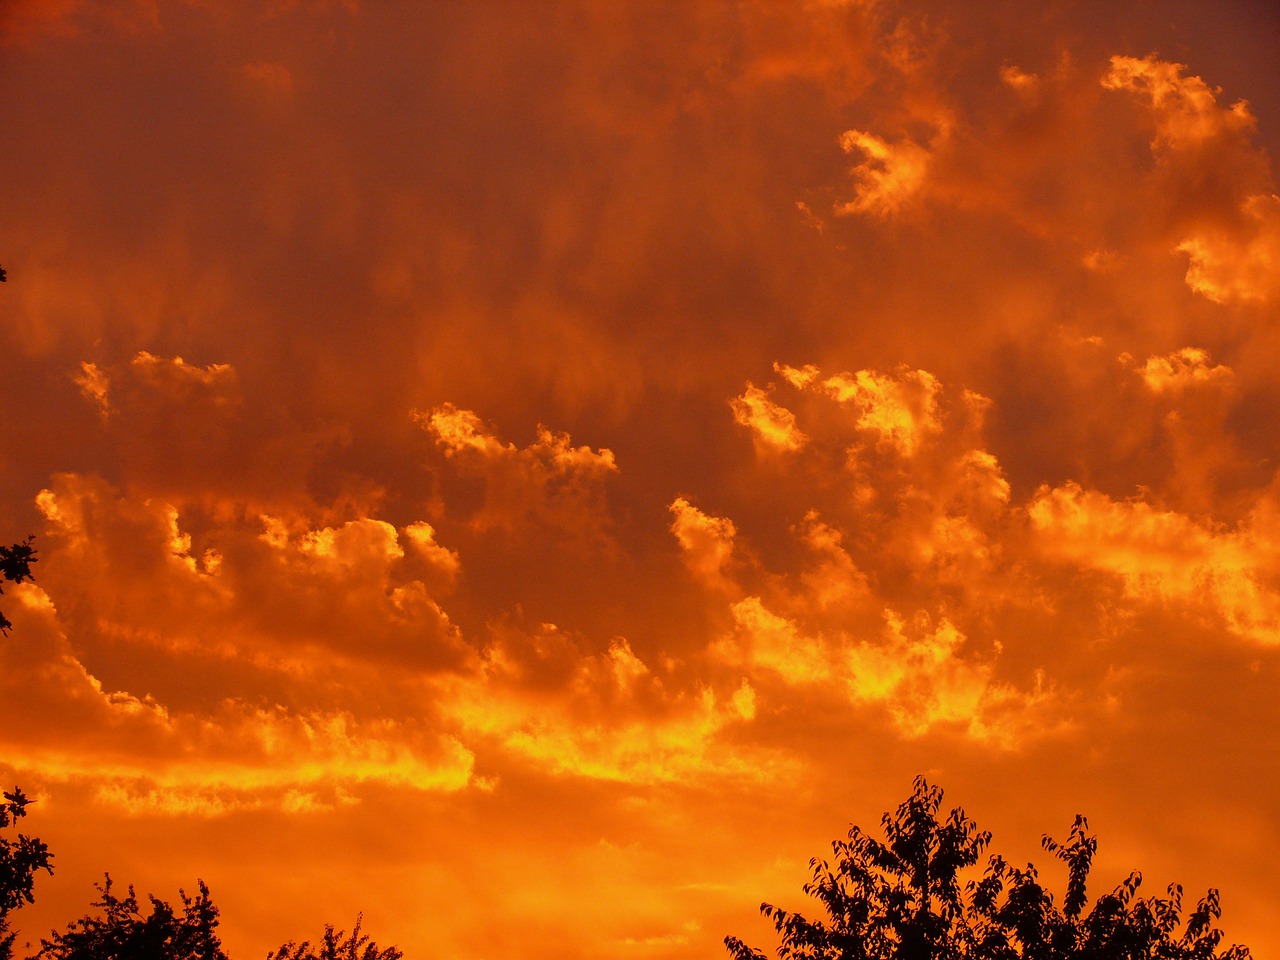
279 596
1164 557
605 716
705 541
890 176
1185 107
773 426
392 650
901 410
271 76
176 377
63 724
549 481
915 671
1240 265
835 580
1183 369
94 386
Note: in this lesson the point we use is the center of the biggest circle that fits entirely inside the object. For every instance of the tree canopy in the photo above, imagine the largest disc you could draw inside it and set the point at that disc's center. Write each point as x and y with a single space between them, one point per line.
119 929
15 566
337 946
20 859
903 899
123 932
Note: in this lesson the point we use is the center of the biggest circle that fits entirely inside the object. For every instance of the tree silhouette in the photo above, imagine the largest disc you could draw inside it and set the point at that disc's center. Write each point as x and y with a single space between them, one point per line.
20 858
123 933
902 899
15 566
333 946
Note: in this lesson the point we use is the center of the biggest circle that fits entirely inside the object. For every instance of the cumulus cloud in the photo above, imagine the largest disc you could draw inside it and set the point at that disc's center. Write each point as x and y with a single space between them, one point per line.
835 580
178 379
276 78
1231 223
550 481
1183 369
901 410
94 386
1185 107
917 510
188 431
888 178
706 542
139 753
1164 557
1240 264
915 669
266 588
605 715
772 426
1024 83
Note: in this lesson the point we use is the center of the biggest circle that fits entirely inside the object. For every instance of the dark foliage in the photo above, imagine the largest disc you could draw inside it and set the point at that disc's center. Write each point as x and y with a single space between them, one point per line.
3 276
121 932
20 858
902 899
337 946
15 566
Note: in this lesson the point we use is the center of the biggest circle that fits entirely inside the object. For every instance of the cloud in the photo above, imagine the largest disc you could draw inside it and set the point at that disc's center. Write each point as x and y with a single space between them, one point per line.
179 380
1183 369
763 640
1026 84
962 537
26 22
914 669
706 542
835 580
890 176
273 590
1241 264
1230 219
549 482
605 716
772 426
141 755
94 386
273 77
901 410
915 514
190 432
1163 557
1185 107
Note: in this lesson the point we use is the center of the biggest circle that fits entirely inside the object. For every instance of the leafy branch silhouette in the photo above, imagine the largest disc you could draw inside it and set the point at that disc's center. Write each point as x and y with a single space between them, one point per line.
902 899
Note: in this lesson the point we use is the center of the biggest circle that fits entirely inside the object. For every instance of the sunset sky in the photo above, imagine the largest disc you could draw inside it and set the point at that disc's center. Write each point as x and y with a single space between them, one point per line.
536 472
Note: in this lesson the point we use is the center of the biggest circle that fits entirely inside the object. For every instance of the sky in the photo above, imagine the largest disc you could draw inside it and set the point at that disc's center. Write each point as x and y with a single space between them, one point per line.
535 473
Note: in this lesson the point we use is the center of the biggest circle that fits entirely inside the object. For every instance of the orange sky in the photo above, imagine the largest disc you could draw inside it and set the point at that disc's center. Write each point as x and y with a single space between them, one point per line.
535 472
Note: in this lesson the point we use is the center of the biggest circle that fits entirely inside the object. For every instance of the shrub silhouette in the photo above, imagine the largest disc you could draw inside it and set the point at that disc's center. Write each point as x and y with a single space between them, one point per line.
121 932
902 898
333 946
